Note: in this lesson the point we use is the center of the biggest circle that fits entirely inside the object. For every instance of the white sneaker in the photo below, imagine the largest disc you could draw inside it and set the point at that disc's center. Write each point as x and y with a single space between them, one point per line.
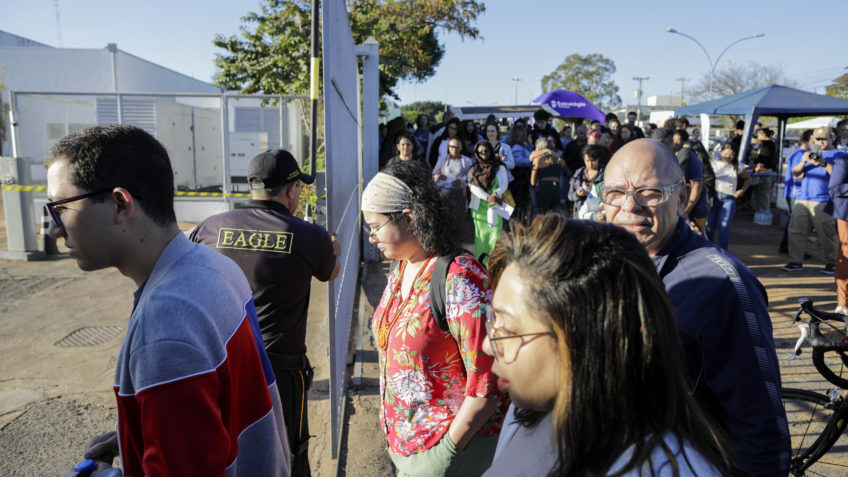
841 310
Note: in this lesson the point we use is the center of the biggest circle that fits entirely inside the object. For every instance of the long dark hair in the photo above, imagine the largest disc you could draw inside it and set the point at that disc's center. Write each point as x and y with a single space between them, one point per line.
433 223
598 291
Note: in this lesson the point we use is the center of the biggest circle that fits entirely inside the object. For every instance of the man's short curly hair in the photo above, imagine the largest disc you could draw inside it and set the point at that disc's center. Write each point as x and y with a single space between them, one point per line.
433 222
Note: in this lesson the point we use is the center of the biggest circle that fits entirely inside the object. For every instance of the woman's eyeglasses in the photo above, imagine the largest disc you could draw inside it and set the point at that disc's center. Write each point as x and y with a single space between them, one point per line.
372 232
495 340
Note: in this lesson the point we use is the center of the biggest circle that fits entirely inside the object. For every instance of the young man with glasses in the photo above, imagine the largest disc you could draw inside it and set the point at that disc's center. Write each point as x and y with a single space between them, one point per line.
721 307
279 253
193 384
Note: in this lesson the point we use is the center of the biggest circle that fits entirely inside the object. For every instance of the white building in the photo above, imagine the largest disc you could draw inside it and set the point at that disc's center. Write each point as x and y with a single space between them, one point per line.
63 90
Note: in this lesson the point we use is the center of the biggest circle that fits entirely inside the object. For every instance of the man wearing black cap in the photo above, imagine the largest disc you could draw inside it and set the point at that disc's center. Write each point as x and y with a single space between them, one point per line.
279 253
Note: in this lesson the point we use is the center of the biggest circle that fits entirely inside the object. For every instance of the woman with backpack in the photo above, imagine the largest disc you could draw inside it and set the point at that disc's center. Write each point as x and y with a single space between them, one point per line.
440 410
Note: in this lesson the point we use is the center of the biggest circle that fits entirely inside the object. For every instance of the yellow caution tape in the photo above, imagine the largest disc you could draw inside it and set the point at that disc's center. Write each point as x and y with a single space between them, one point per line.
30 188
23 188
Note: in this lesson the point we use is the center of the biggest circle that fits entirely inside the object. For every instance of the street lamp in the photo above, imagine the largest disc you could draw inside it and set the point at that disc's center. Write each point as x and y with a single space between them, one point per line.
516 80
709 59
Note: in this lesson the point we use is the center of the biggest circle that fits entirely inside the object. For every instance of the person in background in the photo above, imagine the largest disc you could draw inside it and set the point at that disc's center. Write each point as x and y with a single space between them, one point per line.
451 177
587 180
809 211
631 121
838 190
565 135
195 392
493 135
727 174
791 185
728 346
765 162
440 408
595 125
545 175
287 243
520 185
405 145
563 290
649 129
422 132
842 135
487 181
469 136
439 146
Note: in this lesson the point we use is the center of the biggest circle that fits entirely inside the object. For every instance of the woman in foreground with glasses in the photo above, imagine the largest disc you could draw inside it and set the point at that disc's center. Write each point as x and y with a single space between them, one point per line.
440 407
586 344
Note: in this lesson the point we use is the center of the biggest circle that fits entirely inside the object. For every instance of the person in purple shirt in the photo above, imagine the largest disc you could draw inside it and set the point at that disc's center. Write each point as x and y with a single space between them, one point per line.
728 349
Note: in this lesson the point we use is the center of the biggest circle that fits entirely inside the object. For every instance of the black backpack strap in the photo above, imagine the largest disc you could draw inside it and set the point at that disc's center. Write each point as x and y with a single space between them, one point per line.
437 288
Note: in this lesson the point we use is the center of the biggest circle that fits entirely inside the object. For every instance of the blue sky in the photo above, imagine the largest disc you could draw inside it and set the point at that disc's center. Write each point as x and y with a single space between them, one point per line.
521 39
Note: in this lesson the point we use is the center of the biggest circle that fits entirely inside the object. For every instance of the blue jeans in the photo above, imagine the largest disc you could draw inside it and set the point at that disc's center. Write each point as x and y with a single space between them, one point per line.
724 207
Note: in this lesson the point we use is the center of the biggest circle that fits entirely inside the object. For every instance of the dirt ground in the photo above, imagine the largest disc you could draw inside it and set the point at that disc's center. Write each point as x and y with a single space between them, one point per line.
53 397
56 389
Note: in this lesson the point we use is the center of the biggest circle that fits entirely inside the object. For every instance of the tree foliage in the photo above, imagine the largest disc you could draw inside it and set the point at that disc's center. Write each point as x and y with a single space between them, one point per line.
590 76
430 108
738 78
272 53
839 88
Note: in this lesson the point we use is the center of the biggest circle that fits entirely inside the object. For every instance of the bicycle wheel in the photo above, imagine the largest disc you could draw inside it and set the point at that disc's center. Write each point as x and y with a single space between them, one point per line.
807 414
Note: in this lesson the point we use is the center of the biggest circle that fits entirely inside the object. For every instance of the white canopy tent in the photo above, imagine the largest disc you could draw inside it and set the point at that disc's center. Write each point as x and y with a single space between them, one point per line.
829 121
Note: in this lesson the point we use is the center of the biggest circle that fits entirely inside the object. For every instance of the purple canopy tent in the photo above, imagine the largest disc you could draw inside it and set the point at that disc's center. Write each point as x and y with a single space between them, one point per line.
570 105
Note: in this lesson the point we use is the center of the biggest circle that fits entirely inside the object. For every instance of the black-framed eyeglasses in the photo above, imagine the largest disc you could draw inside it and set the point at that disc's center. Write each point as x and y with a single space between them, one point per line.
51 206
372 232
495 340
644 196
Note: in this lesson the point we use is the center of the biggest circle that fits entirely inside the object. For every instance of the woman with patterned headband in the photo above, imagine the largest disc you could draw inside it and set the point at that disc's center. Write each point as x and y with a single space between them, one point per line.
440 408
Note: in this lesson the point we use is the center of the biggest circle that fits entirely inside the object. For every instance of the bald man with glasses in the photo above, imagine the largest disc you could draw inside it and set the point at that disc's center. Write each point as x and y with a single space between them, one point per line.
721 307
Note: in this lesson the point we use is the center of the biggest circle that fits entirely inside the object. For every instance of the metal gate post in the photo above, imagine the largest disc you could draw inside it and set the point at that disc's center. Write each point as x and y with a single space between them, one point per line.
17 207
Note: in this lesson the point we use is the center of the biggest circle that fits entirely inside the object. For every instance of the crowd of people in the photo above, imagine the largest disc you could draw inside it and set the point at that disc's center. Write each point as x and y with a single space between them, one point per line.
594 330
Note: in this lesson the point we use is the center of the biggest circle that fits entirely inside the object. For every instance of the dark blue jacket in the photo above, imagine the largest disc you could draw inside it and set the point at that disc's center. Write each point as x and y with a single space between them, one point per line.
838 188
729 355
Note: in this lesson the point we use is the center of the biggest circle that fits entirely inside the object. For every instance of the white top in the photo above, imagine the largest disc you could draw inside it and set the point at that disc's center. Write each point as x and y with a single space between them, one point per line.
452 169
726 178
478 194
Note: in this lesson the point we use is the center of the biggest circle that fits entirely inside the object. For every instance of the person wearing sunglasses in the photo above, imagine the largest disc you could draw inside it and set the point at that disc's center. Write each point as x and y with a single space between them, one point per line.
585 343
439 408
728 346
193 326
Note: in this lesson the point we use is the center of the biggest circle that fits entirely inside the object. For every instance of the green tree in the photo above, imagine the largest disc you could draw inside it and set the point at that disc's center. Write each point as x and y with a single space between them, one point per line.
430 108
839 88
590 76
271 55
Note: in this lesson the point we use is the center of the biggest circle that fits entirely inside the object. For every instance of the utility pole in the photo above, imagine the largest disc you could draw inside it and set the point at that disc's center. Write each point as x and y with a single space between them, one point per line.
516 80
682 83
639 96
314 71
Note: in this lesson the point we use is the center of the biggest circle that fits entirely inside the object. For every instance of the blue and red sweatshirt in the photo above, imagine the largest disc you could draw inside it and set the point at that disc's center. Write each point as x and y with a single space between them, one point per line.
195 390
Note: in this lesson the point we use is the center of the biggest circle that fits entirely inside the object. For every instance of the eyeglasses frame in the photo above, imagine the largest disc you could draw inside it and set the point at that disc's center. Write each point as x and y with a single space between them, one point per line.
496 349
667 191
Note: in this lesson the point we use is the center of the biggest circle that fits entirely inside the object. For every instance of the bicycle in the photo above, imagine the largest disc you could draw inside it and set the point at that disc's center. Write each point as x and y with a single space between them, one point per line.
811 413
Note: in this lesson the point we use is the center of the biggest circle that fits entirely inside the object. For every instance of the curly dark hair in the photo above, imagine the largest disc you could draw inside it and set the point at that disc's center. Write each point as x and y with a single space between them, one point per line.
433 222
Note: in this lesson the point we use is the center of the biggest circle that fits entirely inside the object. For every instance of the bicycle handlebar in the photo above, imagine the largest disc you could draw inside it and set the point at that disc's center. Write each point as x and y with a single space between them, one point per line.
820 343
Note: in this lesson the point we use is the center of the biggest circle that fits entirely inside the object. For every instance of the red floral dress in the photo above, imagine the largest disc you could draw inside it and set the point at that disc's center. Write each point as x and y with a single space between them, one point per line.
427 372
